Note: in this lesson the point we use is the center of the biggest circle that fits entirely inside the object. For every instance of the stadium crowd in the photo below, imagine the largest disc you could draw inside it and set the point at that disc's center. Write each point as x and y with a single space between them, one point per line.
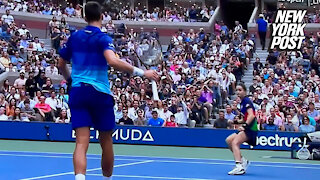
194 13
198 78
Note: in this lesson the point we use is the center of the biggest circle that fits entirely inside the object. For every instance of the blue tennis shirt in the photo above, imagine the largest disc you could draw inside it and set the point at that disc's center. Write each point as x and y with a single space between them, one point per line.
84 50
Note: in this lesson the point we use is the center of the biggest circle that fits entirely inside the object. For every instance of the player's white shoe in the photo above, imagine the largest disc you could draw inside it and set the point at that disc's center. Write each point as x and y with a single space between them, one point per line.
245 163
238 170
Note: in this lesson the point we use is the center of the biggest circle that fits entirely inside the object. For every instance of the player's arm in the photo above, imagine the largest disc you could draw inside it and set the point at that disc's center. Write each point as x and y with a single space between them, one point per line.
123 66
250 118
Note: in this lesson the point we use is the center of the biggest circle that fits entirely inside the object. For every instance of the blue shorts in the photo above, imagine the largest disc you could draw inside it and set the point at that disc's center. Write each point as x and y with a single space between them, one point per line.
251 137
91 108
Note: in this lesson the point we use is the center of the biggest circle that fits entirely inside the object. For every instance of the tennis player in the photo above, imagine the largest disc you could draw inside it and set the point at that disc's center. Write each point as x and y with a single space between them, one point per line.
91 52
247 132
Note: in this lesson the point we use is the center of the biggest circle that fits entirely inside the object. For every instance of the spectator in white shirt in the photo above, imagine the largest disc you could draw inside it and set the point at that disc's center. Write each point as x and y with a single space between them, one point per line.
3 117
7 18
20 82
23 30
51 70
165 113
182 115
53 102
132 111
176 77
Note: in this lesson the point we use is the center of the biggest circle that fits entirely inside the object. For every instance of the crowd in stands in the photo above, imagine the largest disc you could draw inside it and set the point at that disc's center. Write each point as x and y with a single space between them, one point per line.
285 90
194 13
197 85
173 14
312 17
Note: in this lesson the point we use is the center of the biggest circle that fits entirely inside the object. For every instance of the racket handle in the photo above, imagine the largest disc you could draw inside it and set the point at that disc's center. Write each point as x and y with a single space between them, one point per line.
155 91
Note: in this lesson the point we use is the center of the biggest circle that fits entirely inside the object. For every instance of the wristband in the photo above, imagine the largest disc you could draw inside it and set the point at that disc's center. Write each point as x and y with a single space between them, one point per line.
245 126
138 71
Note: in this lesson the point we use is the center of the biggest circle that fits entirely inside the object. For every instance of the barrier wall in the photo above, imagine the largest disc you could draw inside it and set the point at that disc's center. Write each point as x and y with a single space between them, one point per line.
194 137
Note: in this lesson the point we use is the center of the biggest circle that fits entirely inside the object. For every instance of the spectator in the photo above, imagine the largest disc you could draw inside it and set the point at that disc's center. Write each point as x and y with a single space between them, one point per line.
3 116
45 109
228 115
132 111
170 122
140 120
51 70
7 18
20 82
54 103
270 126
182 114
17 116
28 111
289 126
23 30
118 111
31 85
11 107
63 118
155 120
125 120
221 122
306 127
5 59
262 30
70 10
48 87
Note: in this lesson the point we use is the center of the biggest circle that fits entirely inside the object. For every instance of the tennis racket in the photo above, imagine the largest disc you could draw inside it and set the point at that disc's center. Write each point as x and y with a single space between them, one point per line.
151 56
304 153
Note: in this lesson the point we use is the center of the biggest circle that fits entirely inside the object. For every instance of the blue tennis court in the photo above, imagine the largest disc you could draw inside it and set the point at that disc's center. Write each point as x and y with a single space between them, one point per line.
38 165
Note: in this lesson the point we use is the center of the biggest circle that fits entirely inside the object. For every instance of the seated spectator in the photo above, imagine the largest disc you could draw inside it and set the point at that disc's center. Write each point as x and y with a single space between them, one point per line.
5 59
20 82
306 127
125 120
47 88
132 111
29 112
305 114
182 115
221 122
62 96
165 113
313 113
141 119
11 107
289 126
45 109
270 126
3 116
118 111
63 118
170 122
17 116
54 103
228 114
155 120
51 70
278 121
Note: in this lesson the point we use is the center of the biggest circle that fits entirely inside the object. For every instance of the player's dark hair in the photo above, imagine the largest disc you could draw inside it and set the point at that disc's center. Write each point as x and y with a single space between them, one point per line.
93 11
243 86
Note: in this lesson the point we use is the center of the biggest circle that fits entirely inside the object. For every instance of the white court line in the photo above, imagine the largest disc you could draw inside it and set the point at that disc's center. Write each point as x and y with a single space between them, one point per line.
162 157
67 173
151 177
170 161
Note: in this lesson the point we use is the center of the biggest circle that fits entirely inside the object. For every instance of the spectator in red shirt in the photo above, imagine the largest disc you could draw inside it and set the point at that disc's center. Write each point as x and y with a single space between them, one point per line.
45 109
170 122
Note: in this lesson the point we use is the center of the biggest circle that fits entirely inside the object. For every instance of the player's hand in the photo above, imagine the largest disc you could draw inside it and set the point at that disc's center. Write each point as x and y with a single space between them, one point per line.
240 128
151 74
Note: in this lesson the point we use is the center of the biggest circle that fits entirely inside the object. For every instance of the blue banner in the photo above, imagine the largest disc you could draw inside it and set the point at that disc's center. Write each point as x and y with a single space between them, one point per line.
194 137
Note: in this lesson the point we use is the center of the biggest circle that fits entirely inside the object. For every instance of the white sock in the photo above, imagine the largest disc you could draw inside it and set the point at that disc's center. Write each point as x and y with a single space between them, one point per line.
80 177
107 178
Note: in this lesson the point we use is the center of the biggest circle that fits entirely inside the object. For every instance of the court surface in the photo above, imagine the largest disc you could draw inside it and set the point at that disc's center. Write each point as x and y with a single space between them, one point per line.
53 160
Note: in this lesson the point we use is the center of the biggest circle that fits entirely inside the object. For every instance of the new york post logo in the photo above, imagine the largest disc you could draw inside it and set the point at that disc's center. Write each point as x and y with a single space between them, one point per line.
287 31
